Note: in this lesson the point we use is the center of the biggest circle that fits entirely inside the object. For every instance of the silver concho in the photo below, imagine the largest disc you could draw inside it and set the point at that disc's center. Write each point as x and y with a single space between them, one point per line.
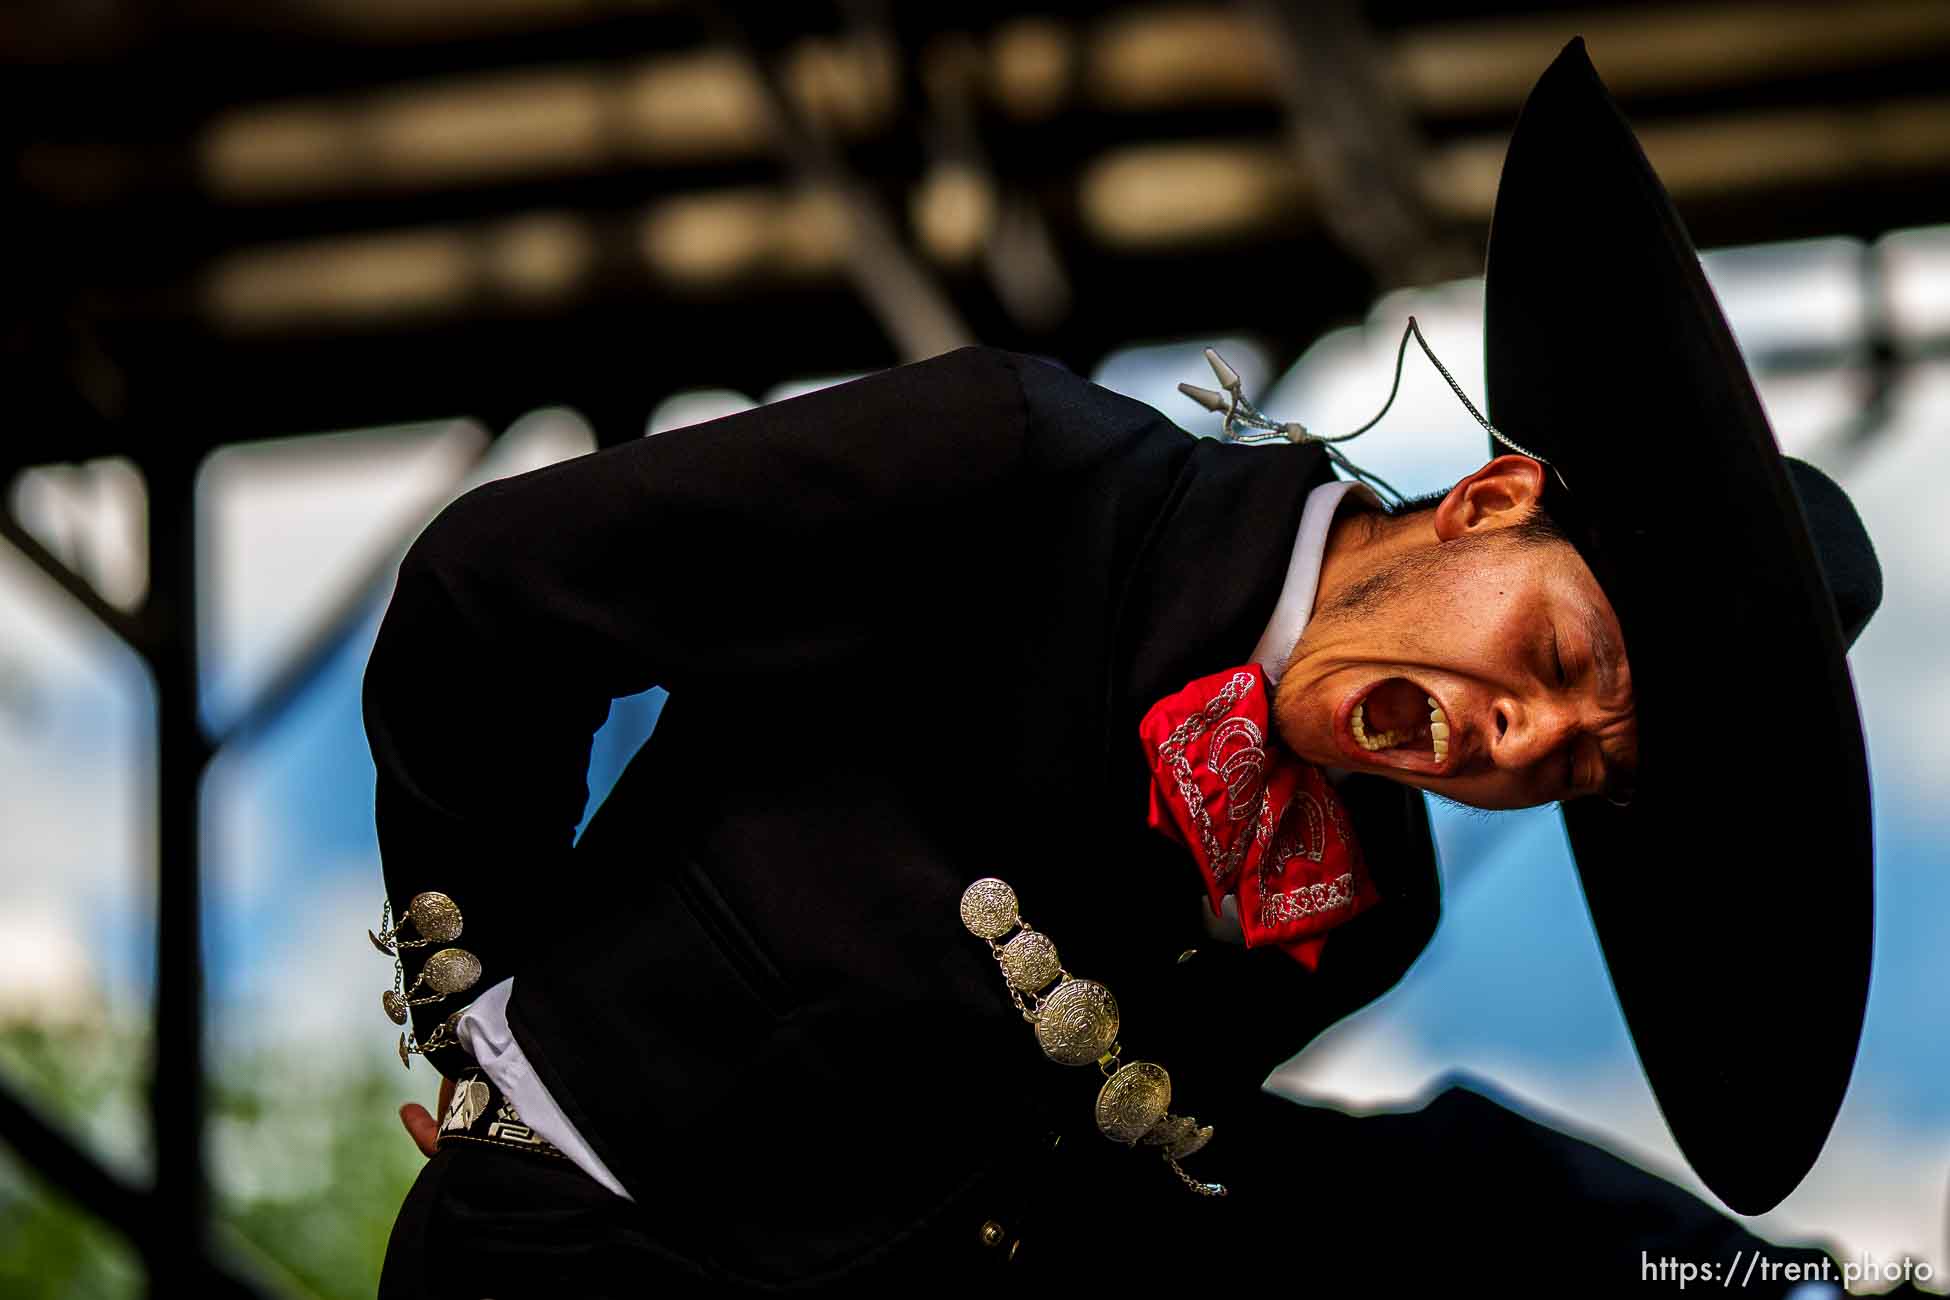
988 908
1077 1023
395 1004
1029 961
1194 1142
1179 1135
1170 1130
1132 1100
434 916
451 970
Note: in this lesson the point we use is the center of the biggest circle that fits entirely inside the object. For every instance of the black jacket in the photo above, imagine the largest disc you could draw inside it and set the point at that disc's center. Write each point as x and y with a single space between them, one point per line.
908 626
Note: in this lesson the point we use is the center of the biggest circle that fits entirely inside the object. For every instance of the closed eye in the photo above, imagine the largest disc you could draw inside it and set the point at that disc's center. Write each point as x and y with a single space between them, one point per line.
1557 659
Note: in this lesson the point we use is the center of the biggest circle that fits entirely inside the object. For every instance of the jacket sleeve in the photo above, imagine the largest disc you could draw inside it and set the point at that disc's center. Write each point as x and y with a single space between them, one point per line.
745 550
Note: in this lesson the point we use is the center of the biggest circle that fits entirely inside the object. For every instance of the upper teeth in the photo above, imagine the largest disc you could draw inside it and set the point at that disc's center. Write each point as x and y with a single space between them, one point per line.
1438 731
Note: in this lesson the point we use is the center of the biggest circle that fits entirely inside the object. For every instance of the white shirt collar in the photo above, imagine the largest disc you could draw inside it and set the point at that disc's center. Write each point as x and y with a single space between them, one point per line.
1290 614
1296 603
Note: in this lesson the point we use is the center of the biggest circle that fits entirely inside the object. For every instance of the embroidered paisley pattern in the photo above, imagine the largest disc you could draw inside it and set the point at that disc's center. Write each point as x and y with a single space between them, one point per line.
1261 823
1236 757
1172 754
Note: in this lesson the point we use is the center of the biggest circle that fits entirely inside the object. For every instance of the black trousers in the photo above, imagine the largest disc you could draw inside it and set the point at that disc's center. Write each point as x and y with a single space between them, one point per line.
1462 1192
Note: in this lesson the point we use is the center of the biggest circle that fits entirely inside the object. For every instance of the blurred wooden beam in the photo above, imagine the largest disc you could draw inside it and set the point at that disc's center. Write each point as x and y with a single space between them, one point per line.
1751 152
1151 198
1484 65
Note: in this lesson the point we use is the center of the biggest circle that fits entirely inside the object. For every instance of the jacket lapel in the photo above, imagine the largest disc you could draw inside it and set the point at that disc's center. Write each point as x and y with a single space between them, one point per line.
1209 574
1199 597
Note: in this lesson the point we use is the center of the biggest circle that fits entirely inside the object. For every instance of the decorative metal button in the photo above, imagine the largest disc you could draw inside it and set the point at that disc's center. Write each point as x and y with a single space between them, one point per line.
992 1234
1132 1100
1077 1023
1194 1142
1170 1131
1179 1135
1029 961
988 908
431 913
451 970
434 915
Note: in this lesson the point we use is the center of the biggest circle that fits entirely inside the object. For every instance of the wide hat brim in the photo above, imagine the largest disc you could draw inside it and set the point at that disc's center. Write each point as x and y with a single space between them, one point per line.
1733 897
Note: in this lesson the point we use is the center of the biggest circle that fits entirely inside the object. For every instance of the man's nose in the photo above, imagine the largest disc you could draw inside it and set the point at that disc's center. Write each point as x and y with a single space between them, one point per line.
1524 733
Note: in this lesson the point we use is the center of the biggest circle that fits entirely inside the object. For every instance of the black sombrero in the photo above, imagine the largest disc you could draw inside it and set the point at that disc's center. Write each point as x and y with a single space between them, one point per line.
1733 896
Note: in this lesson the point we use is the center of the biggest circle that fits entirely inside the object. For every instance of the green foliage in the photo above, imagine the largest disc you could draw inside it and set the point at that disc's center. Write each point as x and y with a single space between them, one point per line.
85 1079
308 1166
51 1250
310 1170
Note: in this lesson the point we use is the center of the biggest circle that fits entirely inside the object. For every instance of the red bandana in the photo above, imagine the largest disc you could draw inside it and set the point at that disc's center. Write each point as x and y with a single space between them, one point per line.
1263 824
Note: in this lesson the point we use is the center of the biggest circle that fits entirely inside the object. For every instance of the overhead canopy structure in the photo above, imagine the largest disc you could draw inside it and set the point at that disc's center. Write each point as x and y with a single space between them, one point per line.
232 219
333 213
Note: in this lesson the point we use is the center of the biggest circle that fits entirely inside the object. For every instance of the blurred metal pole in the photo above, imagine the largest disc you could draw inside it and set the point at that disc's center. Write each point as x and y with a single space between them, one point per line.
1357 143
912 308
130 630
77 1174
177 1249
1017 253
169 1226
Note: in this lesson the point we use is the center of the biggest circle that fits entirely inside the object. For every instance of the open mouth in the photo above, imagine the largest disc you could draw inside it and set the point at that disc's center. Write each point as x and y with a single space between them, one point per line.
1395 723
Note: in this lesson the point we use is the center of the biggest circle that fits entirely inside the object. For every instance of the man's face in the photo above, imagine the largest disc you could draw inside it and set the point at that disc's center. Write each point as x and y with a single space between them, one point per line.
1513 641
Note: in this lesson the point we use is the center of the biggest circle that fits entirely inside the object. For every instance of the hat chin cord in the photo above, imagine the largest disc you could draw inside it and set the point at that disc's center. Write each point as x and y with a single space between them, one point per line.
1243 422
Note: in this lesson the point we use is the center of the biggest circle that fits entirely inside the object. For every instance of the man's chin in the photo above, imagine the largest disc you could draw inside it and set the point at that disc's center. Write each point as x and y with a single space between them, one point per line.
1476 805
1484 807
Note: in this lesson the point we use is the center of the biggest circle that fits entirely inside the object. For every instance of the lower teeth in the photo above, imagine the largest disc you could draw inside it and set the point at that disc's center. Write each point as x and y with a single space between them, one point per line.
1385 740
1439 742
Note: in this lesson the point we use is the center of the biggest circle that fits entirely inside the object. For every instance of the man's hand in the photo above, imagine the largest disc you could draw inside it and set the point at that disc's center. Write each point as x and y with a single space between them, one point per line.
422 1127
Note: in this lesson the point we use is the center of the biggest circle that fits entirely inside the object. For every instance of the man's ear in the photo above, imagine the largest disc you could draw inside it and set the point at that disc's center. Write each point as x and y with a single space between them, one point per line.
1498 495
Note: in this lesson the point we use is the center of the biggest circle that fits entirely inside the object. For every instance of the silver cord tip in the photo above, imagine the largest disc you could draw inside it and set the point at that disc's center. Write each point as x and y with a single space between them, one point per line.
1205 397
1228 377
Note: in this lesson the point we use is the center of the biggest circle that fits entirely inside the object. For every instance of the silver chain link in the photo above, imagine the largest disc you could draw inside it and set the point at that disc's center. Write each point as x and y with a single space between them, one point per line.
1203 1189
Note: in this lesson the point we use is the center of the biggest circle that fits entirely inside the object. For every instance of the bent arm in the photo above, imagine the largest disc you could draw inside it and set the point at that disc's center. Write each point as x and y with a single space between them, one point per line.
749 548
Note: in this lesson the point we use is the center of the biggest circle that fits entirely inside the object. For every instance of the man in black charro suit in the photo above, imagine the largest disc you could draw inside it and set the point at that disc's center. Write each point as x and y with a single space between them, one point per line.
910 626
